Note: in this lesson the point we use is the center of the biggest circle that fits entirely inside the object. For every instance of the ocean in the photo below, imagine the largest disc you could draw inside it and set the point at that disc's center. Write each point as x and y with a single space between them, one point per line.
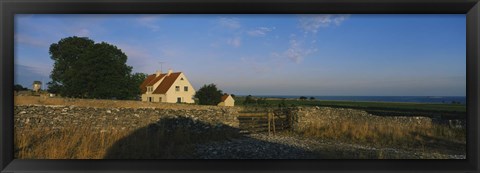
411 99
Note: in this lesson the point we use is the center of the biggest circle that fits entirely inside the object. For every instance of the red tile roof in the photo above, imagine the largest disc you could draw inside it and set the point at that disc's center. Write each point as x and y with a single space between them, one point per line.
143 86
166 83
163 86
224 97
155 80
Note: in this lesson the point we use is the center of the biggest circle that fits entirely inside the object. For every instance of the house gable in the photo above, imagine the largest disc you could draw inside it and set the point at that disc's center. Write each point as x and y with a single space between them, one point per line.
185 90
143 86
181 81
167 83
224 97
152 80
226 100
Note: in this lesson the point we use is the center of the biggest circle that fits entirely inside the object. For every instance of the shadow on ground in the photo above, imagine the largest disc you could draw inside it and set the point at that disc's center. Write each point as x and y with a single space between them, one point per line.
185 138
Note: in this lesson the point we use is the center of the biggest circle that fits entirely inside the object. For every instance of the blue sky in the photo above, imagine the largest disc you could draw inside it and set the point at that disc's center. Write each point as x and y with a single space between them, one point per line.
339 55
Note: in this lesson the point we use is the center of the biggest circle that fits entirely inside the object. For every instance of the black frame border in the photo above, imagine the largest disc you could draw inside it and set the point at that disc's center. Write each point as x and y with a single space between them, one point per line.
8 8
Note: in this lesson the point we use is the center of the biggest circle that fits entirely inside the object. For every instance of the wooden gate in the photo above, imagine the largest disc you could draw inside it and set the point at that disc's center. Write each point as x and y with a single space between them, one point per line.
264 121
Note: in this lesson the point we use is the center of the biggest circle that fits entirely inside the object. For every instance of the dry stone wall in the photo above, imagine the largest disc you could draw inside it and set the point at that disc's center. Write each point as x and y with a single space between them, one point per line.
57 117
325 115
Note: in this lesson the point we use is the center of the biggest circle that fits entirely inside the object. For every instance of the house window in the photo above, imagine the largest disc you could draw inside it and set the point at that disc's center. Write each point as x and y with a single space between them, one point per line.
185 88
149 89
177 88
181 78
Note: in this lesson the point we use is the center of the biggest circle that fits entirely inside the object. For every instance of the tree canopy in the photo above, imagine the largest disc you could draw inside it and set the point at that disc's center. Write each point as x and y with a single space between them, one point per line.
249 100
19 87
209 95
85 69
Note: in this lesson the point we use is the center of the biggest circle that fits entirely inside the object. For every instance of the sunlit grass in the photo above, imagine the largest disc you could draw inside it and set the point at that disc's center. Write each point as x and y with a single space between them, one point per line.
386 132
87 143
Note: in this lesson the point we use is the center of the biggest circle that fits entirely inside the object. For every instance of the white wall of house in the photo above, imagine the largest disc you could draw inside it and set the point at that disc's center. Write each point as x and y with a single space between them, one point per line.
228 102
155 97
185 96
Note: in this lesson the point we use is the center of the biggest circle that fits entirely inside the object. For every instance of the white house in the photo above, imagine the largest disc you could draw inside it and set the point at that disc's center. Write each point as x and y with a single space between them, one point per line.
226 100
167 87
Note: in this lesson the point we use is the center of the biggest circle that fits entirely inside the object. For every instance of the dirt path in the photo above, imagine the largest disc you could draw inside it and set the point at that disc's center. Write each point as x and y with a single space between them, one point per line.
263 146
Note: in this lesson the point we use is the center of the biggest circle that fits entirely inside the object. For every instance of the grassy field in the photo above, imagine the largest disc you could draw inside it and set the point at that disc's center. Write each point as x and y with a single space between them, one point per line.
99 103
166 139
448 111
384 132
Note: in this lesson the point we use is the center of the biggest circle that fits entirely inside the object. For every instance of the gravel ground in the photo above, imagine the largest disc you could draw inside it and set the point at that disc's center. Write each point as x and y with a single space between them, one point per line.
283 146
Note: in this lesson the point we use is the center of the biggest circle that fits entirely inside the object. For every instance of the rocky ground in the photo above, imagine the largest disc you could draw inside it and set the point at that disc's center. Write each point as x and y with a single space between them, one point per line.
289 146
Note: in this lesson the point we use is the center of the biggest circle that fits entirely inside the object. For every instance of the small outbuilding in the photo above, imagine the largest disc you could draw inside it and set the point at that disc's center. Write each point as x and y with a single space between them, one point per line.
227 100
37 85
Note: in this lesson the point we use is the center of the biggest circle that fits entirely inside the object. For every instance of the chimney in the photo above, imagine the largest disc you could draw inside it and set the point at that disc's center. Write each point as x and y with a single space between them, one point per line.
169 72
158 73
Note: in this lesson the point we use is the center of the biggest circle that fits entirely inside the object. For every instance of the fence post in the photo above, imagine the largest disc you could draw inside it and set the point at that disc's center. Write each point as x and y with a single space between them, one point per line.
273 119
268 119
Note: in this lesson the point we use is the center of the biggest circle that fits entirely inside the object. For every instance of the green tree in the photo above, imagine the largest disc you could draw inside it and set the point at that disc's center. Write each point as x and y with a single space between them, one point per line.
303 98
19 87
249 100
209 95
53 88
85 69
312 98
136 80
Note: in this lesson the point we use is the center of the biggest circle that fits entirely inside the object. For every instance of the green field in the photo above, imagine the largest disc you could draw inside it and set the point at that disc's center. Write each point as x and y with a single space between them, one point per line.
449 111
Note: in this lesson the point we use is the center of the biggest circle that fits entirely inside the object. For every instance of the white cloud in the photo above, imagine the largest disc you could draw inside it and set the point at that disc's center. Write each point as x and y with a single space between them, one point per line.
255 65
235 42
312 23
340 18
147 60
230 23
170 53
40 69
138 57
260 31
82 33
296 51
149 21
25 39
